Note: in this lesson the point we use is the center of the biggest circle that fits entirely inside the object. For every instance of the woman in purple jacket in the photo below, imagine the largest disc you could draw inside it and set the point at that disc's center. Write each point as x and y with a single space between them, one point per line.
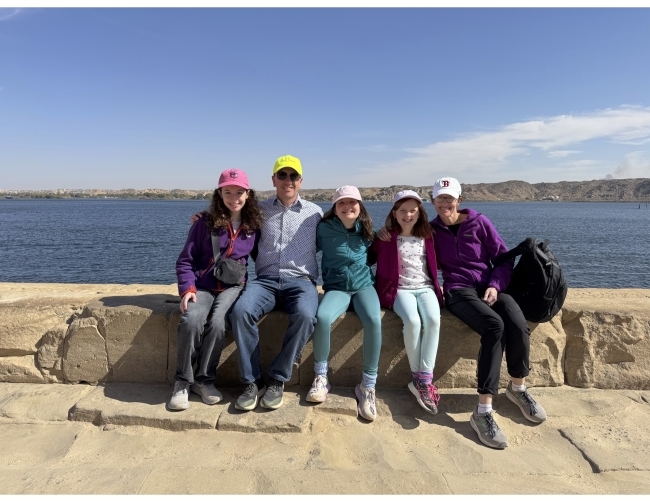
466 245
235 219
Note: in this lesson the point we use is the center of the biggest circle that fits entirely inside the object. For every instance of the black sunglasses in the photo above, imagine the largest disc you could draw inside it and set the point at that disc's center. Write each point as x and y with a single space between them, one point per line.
282 175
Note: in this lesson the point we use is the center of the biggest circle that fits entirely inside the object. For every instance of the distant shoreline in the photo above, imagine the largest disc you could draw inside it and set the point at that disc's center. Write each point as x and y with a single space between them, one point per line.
620 190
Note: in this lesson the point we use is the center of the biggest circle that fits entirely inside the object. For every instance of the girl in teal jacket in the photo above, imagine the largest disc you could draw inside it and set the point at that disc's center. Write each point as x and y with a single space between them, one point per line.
344 236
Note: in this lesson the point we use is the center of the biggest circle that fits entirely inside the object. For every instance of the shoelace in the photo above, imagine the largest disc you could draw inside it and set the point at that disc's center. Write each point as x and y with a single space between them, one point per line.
320 383
251 389
530 402
433 393
275 386
371 399
492 426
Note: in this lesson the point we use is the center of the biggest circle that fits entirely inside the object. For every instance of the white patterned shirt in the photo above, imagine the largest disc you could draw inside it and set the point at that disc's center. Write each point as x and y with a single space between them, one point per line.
287 245
412 263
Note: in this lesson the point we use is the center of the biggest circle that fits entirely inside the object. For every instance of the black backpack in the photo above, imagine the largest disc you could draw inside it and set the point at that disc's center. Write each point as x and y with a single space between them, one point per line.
537 283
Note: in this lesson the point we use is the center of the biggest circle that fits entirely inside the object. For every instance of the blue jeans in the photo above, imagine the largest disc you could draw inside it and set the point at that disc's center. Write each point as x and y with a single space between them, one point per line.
260 296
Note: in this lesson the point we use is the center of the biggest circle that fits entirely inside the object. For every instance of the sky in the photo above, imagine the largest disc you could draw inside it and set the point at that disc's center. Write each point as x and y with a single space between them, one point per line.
170 97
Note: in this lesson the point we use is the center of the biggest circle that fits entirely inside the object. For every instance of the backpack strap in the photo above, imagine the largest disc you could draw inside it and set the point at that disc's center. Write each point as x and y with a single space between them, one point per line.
216 251
525 246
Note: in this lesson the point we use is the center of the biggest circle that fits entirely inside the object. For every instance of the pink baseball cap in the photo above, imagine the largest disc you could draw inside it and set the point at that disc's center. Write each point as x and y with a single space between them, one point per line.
346 192
233 177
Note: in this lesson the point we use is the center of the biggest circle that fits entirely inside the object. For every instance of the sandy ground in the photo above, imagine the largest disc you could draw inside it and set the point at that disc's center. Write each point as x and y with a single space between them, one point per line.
594 442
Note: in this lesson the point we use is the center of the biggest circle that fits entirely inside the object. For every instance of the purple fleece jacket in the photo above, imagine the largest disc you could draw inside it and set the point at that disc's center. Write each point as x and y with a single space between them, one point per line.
388 268
195 264
466 259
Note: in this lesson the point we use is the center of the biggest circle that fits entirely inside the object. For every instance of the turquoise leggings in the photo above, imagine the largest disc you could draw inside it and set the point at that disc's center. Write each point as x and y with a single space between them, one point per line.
421 329
366 306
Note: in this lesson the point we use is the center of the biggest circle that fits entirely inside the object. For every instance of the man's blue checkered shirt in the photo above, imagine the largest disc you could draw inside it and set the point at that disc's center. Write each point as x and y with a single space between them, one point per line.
287 246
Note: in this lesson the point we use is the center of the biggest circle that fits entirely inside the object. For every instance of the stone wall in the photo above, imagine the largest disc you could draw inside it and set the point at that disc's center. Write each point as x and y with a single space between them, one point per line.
73 333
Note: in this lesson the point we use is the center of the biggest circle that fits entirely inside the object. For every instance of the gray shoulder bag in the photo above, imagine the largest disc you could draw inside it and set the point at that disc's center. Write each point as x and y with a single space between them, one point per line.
227 271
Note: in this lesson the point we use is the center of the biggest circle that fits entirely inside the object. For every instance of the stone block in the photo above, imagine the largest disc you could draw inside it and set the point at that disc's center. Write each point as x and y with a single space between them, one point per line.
292 416
615 443
547 348
84 358
137 404
20 369
136 331
49 356
25 402
607 348
22 326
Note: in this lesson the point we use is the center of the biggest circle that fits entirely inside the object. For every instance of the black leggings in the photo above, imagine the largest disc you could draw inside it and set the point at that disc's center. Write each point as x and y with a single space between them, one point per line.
502 327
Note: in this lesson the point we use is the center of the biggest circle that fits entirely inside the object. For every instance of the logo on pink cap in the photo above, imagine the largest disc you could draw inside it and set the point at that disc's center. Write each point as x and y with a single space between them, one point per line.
233 177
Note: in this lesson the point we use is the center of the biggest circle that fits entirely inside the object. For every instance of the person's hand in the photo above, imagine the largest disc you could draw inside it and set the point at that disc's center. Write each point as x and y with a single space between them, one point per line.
188 297
383 234
195 216
490 296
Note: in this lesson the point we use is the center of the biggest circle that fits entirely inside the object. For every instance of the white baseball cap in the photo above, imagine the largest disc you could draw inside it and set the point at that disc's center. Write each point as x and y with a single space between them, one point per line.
346 192
406 194
446 186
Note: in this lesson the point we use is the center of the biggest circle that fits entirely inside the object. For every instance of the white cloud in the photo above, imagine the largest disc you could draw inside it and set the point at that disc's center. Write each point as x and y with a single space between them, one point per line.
6 14
486 155
558 154
634 165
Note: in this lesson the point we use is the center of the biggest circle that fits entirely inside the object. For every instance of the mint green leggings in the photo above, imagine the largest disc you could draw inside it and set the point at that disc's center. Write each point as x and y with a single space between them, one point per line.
420 313
366 306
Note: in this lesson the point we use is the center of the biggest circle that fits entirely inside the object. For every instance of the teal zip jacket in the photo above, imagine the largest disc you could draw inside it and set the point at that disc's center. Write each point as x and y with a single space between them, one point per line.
345 256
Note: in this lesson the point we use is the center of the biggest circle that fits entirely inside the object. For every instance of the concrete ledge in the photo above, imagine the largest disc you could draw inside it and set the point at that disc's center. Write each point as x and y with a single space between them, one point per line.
127 334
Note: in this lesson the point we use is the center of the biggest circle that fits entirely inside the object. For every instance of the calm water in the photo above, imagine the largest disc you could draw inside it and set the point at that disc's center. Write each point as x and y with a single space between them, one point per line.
136 241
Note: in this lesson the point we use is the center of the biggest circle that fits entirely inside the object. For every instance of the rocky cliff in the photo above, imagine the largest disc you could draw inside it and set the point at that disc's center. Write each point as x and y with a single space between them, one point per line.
629 190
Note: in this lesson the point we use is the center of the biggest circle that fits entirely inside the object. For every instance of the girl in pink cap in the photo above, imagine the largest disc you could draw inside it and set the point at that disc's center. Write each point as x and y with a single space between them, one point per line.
407 282
233 224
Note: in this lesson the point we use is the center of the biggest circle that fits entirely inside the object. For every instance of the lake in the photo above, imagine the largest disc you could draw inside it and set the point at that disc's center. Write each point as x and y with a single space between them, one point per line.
599 245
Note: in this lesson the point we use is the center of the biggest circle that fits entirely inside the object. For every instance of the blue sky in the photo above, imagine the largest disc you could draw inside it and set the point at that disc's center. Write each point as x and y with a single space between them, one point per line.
168 98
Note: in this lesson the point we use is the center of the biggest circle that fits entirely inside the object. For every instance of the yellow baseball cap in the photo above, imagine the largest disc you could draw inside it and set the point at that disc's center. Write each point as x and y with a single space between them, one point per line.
288 161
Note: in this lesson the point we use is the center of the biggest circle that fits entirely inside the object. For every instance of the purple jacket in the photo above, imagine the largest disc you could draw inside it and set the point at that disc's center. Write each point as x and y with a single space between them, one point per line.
195 264
388 271
466 259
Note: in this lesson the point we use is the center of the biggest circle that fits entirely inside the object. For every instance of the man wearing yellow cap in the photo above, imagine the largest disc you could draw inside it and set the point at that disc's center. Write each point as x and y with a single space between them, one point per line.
286 271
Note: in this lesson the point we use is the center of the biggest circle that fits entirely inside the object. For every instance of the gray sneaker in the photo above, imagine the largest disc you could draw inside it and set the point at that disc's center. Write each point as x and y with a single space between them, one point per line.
531 409
248 399
487 429
179 400
272 398
209 393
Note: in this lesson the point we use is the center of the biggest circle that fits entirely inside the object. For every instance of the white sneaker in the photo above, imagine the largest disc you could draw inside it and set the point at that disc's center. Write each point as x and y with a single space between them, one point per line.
209 393
366 398
319 390
179 400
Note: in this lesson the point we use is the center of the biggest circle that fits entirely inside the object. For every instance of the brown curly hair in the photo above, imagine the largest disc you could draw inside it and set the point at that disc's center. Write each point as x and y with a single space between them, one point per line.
364 219
422 228
218 215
